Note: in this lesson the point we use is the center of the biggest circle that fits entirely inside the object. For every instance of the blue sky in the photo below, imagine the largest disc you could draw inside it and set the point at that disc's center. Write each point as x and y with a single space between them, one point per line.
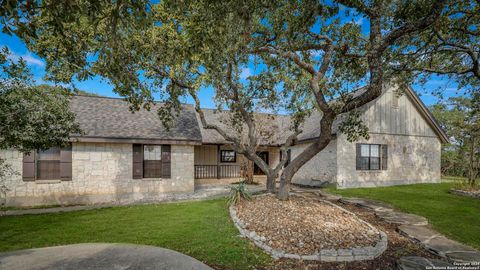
103 88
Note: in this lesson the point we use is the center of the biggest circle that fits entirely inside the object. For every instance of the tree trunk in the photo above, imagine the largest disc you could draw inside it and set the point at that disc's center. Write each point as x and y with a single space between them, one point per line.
284 190
471 167
271 183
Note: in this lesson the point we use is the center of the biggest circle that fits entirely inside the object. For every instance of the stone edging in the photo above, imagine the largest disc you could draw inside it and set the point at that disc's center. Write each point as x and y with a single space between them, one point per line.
326 255
465 193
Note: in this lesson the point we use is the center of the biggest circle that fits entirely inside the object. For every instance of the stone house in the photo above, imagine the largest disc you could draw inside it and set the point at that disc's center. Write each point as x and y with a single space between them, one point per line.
127 157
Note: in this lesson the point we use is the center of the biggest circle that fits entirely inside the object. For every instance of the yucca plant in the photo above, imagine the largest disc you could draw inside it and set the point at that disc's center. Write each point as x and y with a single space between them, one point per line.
237 193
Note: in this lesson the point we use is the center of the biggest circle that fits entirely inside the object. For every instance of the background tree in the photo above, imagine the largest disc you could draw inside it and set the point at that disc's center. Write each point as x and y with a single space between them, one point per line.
31 117
305 55
460 117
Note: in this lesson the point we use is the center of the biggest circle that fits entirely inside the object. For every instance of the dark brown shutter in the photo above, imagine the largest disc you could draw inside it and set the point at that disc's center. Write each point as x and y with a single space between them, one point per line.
66 163
28 173
137 161
166 161
384 156
358 153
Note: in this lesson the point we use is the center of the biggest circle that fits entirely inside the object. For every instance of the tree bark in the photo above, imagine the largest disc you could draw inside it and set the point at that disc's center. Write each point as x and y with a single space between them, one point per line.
271 184
307 154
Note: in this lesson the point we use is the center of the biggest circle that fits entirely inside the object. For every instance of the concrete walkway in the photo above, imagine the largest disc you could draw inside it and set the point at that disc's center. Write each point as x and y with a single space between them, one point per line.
202 192
99 256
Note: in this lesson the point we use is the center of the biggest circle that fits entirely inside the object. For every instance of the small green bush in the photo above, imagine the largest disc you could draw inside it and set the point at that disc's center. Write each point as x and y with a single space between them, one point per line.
237 193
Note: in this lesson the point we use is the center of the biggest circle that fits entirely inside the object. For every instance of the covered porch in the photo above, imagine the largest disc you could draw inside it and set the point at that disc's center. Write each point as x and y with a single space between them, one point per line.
219 164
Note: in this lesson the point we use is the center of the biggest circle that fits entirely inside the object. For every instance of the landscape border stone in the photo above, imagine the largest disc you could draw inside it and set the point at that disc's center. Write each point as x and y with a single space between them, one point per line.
325 255
465 193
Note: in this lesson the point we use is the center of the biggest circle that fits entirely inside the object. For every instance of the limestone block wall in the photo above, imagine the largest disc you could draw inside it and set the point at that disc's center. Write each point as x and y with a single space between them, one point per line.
323 166
411 159
102 173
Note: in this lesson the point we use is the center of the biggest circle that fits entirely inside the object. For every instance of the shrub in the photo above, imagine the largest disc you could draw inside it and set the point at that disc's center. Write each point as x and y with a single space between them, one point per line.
237 193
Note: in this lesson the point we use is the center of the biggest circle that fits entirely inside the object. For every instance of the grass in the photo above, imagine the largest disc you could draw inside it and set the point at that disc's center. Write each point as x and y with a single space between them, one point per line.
457 217
202 230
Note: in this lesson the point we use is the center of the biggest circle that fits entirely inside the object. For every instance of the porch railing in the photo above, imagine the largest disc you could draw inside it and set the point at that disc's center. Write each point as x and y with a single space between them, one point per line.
216 171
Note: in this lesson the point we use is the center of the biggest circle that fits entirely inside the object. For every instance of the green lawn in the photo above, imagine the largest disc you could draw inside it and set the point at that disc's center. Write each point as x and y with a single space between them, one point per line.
202 230
455 216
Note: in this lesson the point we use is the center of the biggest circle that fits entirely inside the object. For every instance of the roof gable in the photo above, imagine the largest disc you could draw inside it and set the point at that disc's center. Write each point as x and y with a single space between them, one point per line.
110 118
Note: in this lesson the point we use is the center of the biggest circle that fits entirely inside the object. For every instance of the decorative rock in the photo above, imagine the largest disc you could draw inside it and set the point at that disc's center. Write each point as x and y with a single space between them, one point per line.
418 233
345 252
420 263
463 256
355 201
292 256
402 218
472 194
441 246
310 257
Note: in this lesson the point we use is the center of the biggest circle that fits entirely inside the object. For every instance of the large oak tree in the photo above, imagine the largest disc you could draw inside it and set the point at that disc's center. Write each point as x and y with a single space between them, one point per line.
305 55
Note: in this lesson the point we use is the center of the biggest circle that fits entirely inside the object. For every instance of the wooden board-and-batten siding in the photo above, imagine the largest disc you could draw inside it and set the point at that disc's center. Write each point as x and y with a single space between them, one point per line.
383 117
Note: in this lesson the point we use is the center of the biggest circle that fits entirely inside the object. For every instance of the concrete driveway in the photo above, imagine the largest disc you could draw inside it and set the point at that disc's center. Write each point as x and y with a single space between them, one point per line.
99 256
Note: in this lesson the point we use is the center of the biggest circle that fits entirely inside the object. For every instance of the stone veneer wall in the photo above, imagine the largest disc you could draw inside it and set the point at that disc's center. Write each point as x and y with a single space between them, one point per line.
102 173
411 159
323 166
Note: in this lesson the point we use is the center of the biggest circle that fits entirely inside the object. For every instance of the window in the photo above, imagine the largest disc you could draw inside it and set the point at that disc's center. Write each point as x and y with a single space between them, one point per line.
228 156
152 161
48 164
371 157
51 164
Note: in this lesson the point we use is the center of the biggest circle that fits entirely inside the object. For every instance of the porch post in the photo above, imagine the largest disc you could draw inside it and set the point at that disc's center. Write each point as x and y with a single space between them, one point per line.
218 161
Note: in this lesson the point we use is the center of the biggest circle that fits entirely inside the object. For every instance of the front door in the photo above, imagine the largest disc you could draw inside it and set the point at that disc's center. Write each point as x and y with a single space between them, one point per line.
256 169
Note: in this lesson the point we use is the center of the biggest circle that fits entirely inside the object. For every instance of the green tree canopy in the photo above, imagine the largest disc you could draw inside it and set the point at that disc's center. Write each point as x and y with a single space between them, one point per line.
304 53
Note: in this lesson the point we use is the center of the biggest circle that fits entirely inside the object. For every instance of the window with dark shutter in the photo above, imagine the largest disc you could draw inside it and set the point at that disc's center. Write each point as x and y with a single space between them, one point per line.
166 161
384 156
48 164
370 157
137 167
52 164
152 161
28 172
66 163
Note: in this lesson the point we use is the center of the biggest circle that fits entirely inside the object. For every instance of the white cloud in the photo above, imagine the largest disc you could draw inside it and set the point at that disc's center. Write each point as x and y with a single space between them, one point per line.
29 58
246 72
359 21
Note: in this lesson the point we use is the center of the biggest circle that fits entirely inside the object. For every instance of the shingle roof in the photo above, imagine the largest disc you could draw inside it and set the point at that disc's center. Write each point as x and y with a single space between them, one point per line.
101 117
277 130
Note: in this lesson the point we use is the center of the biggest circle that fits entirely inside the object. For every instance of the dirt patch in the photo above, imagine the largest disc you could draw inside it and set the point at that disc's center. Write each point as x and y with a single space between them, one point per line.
305 226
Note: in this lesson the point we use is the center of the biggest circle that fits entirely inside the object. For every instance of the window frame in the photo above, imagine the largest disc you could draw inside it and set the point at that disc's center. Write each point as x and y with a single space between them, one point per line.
149 162
370 157
228 161
57 161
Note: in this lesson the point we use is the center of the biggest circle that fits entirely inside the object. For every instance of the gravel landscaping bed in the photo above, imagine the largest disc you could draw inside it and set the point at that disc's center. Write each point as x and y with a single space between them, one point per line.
305 226
398 247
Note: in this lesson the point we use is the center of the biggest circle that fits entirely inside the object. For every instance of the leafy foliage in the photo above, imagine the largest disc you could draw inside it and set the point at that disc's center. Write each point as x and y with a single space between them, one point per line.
237 193
460 117
32 117
304 54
